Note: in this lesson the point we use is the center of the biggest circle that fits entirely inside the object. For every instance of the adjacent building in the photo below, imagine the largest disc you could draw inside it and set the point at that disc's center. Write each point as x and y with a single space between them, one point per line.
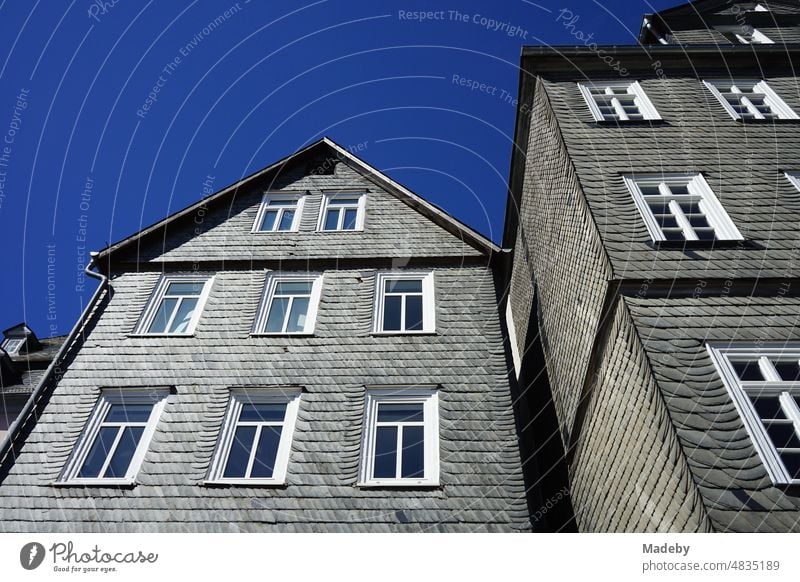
312 349
653 215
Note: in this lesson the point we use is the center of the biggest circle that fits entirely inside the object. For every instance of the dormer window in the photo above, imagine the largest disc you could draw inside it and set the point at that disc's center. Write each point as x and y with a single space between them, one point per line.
744 35
618 101
13 345
750 100
279 213
342 212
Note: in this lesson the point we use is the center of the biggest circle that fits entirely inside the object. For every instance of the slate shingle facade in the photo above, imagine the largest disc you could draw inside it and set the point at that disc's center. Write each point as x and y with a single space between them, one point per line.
481 470
650 436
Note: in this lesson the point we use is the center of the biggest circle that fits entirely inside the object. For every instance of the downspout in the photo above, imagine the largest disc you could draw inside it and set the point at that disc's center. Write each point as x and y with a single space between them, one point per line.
648 24
14 430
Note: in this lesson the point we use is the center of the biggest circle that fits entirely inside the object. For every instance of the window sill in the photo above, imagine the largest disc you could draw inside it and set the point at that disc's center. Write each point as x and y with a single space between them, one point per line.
294 230
396 333
767 121
629 122
698 244
340 231
161 334
410 484
266 334
115 483
243 483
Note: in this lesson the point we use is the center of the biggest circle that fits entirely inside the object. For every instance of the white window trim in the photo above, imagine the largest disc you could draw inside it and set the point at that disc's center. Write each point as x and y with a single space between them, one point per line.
759 7
270 284
155 301
646 106
429 397
778 105
299 197
718 218
109 396
428 302
752 423
288 395
360 214
17 342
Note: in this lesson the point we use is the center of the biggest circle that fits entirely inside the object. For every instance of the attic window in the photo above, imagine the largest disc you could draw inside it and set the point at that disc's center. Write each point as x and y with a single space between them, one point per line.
279 213
750 100
680 207
764 384
12 345
618 101
342 212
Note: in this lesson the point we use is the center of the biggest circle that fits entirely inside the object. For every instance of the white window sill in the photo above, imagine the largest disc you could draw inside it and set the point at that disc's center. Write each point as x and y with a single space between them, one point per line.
244 483
398 483
340 231
274 231
382 333
283 334
96 483
161 334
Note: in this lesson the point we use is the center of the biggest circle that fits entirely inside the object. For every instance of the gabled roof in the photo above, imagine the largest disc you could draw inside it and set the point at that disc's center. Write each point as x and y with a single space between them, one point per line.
434 213
707 7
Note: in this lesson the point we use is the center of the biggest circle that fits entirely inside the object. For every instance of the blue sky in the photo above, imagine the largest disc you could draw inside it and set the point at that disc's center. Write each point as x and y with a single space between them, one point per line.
88 157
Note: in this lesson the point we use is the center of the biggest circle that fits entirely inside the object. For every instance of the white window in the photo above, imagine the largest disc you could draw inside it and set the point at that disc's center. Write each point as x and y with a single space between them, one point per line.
404 303
256 436
750 100
175 306
289 304
764 383
744 34
116 437
618 101
794 179
677 207
342 211
12 345
401 437
279 213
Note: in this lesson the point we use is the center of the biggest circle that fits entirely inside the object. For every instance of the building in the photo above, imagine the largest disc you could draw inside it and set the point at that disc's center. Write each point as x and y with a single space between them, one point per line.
24 358
314 348
653 215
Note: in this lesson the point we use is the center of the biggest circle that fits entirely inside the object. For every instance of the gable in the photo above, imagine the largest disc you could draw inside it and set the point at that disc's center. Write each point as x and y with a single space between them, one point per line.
397 224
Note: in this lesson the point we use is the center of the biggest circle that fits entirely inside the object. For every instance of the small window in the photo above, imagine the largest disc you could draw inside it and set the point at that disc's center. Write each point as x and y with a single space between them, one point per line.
618 101
764 383
794 179
116 437
744 35
401 438
759 8
289 304
750 100
256 437
342 212
12 345
404 303
681 208
175 306
279 213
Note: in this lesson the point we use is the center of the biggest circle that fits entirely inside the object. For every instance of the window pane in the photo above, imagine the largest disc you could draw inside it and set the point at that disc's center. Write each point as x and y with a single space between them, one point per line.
403 286
277 314
269 220
294 288
792 463
413 459
331 219
414 312
350 219
783 435
788 370
345 200
411 412
748 371
99 452
385 452
184 316
159 324
297 316
129 413
271 412
124 452
768 407
194 288
391 313
239 455
286 220
266 451
289 202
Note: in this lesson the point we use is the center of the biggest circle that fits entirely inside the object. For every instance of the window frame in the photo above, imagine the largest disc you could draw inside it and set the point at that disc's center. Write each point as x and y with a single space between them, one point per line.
766 450
794 179
738 32
157 296
428 396
290 395
428 302
718 218
645 105
83 445
298 197
778 106
360 210
18 341
268 294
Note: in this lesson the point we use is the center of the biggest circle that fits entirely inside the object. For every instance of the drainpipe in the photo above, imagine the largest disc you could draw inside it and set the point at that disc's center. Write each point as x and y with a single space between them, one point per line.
14 430
648 24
